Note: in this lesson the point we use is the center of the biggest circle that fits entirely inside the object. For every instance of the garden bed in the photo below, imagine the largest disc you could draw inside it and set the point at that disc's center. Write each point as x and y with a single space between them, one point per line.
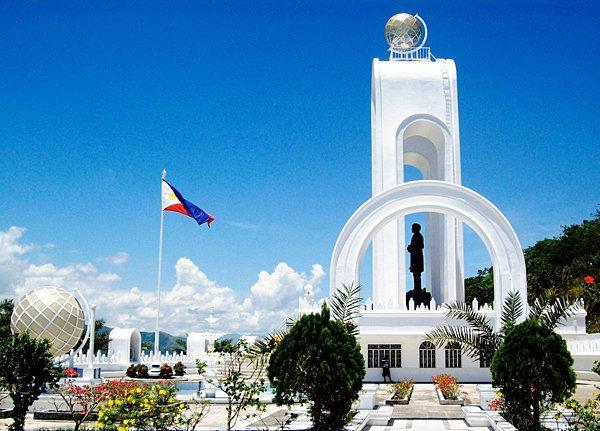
391 401
445 402
402 391
447 390
62 415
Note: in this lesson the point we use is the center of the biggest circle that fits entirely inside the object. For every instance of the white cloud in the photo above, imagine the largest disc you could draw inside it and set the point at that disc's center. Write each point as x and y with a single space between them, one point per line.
243 225
184 306
117 259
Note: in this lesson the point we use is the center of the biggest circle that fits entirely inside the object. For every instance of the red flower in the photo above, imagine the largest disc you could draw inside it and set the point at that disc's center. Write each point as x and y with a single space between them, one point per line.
588 279
70 372
494 404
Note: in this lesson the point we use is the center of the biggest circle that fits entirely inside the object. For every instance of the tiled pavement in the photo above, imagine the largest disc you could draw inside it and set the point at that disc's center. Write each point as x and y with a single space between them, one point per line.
427 425
424 413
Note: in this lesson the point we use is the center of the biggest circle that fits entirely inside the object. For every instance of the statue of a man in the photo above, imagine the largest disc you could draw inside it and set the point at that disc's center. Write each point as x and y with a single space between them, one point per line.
415 248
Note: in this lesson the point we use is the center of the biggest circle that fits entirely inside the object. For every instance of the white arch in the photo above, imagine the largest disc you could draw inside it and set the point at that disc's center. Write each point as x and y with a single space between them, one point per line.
125 344
433 196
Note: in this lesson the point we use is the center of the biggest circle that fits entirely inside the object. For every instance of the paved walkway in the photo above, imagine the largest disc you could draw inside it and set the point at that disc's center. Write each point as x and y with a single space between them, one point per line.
427 425
424 404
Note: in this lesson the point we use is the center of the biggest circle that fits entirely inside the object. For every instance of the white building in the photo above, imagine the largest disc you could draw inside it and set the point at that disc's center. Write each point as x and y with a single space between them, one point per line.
414 117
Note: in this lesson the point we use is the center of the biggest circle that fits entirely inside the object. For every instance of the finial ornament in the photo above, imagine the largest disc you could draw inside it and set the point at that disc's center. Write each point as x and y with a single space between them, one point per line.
164 174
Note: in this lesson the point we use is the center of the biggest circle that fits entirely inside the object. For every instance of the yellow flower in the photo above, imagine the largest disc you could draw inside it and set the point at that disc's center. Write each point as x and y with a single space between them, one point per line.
110 402
100 424
162 392
138 390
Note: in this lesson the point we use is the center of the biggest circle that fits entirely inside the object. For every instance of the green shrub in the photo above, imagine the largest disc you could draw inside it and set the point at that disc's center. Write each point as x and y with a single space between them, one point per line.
318 359
201 366
532 367
27 368
179 369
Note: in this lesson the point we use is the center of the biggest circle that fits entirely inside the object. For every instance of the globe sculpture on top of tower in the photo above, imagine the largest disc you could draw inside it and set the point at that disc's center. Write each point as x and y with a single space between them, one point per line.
405 34
52 313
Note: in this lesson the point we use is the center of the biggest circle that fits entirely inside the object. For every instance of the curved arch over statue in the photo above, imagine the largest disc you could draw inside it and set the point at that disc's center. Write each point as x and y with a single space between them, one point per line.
440 197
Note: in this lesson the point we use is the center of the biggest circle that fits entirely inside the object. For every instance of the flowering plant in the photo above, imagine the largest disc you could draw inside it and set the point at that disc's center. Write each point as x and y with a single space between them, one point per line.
586 416
588 279
166 371
402 388
142 407
82 400
448 385
70 372
116 388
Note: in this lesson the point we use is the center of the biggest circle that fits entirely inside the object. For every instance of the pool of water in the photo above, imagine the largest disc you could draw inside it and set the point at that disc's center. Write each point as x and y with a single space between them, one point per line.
190 388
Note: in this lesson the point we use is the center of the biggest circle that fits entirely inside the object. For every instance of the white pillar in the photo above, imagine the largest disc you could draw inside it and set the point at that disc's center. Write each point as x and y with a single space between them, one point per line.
92 336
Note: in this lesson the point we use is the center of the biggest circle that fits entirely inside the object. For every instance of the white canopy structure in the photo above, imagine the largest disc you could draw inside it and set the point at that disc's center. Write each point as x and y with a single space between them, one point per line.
125 344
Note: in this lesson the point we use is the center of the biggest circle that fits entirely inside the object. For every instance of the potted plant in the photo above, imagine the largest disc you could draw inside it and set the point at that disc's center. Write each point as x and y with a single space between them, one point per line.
401 392
447 389
179 369
131 371
166 371
142 371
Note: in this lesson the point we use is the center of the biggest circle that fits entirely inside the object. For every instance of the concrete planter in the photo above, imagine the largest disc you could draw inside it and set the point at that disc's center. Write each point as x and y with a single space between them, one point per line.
367 398
443 401
61 415
486 394
391 401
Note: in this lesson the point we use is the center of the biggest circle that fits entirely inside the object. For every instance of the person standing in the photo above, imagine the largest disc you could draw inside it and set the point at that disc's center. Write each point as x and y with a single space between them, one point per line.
385 366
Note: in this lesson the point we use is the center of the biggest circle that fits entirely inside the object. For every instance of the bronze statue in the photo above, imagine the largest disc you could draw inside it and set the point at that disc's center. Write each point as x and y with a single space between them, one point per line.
415 249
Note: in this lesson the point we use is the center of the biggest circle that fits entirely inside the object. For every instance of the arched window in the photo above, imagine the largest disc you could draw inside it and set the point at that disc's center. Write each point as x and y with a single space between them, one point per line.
453 355
426 355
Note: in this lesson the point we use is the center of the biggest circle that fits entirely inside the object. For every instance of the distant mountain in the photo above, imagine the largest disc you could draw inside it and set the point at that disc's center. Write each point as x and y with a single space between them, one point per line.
167 341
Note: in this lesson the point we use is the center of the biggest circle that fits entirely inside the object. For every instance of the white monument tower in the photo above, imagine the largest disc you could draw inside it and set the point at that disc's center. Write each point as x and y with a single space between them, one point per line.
414 118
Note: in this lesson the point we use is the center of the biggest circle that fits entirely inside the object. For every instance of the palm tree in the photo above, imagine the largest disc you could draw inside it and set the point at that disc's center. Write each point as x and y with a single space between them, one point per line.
480 340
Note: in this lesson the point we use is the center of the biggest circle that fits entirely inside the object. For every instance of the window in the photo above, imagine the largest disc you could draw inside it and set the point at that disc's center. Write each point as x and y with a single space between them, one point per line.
377 352
426 355
453 355
484 361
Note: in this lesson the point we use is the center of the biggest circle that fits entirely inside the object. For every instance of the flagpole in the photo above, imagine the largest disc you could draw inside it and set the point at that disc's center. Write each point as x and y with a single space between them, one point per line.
160 251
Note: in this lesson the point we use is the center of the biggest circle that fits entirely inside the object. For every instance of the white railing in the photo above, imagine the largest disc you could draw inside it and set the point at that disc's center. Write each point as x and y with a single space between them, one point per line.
419 54
584 346
82 359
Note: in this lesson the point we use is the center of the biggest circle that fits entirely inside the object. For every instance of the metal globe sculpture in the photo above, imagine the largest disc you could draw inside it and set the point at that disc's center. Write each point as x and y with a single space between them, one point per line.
52 313
403 32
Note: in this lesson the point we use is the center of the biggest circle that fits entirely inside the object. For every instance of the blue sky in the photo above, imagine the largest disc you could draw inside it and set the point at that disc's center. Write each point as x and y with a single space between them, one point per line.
260 113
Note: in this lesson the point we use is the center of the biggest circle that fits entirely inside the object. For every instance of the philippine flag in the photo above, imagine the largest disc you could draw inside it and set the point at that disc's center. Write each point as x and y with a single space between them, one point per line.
173 201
